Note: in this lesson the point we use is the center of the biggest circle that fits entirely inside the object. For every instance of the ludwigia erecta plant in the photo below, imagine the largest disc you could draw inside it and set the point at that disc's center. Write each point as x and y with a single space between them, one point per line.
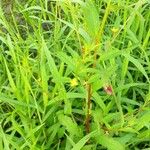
74 74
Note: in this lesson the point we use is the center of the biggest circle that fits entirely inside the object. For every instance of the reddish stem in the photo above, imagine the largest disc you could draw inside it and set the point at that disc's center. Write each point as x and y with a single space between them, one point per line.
87 121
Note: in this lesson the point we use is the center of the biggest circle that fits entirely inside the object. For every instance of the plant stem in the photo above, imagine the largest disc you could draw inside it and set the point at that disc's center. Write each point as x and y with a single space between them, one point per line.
97 43
87 121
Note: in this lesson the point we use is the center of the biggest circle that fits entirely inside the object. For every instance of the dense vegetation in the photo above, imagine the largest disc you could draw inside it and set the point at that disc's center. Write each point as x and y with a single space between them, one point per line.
74 74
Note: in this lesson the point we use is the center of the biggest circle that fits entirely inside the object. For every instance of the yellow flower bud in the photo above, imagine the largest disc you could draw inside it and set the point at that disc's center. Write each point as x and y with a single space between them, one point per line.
114 30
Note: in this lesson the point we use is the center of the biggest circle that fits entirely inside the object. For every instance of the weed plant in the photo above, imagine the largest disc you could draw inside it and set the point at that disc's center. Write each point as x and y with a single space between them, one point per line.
74 75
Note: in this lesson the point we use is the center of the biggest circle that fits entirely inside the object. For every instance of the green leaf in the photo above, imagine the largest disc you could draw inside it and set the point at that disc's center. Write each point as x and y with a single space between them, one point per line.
10 78
52 66
109 143
91 17
132 36
70 125
109 55
143 120
44 76
66 59
98 100
4 139
83 141
9 100
75 95
137 64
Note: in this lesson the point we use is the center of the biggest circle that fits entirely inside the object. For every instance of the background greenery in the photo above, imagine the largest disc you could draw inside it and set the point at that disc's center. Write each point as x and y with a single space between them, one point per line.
58 55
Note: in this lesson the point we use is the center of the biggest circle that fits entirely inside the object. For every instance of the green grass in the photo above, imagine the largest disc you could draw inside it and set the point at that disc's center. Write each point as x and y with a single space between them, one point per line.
74 75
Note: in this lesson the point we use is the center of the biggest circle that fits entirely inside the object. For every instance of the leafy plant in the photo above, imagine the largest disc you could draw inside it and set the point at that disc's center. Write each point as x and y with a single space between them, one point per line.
74 75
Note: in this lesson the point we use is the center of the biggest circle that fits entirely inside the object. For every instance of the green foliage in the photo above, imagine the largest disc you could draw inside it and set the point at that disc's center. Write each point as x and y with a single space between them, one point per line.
52 53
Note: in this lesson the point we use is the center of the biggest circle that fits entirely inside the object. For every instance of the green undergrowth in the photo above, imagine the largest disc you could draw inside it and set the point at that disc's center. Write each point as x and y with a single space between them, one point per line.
63 62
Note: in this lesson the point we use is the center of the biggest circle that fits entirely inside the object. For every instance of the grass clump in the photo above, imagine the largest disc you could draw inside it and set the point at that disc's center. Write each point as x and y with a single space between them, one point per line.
74 75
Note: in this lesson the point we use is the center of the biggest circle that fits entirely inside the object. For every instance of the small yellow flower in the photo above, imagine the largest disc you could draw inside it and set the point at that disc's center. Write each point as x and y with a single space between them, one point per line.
73 82
114 30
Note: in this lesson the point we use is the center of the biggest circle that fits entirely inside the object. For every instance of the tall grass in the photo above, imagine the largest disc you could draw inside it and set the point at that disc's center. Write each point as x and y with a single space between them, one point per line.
74 74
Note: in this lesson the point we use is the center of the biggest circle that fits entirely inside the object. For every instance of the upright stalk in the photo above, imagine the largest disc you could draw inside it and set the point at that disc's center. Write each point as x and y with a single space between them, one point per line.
87 122
97 41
